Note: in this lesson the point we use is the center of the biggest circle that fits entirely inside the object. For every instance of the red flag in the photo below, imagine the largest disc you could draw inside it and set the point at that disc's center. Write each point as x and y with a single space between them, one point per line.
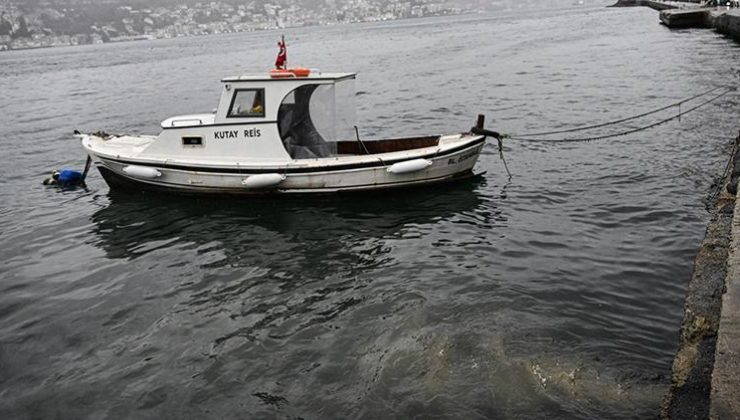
282 58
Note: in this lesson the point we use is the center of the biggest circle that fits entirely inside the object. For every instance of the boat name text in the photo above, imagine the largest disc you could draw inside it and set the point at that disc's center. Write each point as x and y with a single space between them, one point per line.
234 134
463 157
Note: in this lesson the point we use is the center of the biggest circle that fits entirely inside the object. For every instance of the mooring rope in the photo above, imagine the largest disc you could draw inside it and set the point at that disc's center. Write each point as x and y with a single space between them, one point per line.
528 138
608 123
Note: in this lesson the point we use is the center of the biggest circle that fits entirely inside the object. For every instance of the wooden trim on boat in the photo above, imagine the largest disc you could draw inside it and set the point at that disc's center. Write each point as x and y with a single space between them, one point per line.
385 146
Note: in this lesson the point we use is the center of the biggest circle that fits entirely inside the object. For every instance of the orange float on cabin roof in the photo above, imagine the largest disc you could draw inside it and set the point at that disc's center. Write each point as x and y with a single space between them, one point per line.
294 72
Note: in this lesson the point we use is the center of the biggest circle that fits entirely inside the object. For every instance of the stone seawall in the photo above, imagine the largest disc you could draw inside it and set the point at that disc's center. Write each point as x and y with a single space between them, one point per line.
727 23
707 364
691 378
725 387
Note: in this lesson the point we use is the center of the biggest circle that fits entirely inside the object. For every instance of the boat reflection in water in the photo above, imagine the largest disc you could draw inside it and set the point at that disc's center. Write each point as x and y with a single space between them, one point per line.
246 257
302 308
259 228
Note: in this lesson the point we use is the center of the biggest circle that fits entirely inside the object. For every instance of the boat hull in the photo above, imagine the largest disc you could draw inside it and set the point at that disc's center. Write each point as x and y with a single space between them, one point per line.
297 178
121 183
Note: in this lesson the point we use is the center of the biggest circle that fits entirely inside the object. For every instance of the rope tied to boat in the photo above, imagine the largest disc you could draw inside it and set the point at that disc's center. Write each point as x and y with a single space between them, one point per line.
538 137
532 137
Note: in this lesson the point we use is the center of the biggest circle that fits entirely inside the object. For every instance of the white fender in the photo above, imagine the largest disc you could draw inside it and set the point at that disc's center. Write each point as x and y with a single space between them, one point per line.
263 180
142 172
409 166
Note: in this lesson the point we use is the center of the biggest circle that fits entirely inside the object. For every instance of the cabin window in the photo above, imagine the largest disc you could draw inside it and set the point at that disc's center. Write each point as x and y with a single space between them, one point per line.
247 103
192 141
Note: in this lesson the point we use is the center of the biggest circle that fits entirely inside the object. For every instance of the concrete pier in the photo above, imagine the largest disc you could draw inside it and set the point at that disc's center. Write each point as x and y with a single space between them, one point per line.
725 387
657 5
691 15
704 379
726 22
691 378
685 18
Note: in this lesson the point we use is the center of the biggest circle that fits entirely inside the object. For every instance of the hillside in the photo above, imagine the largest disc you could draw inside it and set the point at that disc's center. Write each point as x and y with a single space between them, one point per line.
40 23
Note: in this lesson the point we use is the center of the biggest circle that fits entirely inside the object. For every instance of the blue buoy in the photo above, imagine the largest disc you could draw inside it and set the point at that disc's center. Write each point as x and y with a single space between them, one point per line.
68 177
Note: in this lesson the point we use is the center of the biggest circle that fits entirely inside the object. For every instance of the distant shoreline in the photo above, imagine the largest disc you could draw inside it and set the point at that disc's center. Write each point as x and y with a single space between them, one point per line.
71 42
150 37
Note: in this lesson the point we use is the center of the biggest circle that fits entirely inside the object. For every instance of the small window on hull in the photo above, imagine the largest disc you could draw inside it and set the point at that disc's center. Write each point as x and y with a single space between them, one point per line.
192 141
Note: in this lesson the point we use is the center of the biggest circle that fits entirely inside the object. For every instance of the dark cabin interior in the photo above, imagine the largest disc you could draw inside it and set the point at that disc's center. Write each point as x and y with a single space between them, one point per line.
303 141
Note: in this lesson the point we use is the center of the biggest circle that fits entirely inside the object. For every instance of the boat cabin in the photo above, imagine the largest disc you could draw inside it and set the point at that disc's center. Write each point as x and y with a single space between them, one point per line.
266 118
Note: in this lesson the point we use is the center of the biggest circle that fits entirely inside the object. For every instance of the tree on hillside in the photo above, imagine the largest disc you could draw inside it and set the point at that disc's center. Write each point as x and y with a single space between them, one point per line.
22 31
6 28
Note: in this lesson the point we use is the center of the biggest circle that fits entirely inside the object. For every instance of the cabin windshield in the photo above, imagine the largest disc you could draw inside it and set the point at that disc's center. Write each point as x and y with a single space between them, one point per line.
312 118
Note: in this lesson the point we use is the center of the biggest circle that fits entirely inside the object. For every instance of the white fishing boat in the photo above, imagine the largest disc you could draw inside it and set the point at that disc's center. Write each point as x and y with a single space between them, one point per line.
284 131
